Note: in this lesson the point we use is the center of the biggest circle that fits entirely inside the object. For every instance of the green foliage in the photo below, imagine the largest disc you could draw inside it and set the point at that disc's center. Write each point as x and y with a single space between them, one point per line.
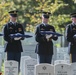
30 12
4 7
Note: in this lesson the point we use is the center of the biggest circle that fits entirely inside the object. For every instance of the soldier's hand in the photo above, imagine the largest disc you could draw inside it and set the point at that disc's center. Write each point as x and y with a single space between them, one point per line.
74 37
48 36
17 38
18 34
55 36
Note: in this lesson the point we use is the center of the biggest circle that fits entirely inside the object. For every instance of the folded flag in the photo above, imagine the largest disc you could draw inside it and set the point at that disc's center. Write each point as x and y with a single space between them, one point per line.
50 32
19 35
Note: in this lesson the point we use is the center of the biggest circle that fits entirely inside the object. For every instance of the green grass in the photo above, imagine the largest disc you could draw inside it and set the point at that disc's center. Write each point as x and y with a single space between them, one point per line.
2 68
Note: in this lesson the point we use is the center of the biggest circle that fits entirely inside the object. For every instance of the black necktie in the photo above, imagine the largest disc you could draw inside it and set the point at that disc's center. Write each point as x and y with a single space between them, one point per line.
14 24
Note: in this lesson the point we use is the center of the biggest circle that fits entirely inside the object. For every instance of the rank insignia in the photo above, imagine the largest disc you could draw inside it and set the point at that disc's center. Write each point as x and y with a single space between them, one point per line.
74 28
51 30
19 29
42 29
10 28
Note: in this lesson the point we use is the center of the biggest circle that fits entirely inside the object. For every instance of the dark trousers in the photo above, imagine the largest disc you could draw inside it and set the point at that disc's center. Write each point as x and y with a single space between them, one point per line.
73 57
44 58
16 56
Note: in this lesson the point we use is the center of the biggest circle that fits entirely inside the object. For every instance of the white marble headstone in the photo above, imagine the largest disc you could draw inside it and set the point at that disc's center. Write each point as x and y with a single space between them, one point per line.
73 68
2 52
44 69
23 58
61 62
62 69
60 56
62 53
29 66
10 67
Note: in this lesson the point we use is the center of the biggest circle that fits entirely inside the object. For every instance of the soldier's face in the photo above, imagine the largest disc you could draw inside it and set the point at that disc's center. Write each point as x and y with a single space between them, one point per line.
45 20
13 18
74 19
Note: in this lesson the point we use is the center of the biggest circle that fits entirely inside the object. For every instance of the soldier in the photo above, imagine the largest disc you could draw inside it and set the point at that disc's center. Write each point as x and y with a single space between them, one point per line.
44 47
13 46
71 37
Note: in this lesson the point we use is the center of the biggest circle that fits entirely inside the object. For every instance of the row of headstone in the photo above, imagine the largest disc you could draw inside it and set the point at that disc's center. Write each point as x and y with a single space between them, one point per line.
27 66
32 68
58 69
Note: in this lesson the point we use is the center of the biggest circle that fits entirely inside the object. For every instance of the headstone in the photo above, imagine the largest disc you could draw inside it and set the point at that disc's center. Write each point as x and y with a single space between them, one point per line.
2 52
62 53
60 56
61 62
66 56
23 58
62 69
44 69
10 67
29 66
73 68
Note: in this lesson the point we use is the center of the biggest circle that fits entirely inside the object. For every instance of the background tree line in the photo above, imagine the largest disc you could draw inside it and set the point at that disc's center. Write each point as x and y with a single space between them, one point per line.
30 12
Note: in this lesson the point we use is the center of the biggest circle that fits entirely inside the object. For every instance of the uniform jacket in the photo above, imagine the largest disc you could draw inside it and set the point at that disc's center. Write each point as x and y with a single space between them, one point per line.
12 45
43 46
71 31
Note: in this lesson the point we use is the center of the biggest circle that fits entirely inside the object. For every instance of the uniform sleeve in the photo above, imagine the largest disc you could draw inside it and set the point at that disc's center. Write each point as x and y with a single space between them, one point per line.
54 38
38 37
6 34
69 35
22 32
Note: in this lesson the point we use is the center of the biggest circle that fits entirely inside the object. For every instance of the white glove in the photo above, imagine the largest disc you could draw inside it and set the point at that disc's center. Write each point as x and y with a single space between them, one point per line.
17 38
48 36
55 35
74 37
18 34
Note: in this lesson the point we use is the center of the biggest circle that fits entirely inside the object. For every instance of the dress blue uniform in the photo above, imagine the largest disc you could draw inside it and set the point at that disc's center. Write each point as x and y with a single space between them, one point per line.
13 47
44 48
70 34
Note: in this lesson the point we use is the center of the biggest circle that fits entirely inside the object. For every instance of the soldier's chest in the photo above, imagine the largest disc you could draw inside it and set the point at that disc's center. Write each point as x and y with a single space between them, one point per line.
14 29
74 29
46 28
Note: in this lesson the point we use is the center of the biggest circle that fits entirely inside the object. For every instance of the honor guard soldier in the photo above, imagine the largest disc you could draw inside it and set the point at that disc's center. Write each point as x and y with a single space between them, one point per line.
71 37
44 47
13 46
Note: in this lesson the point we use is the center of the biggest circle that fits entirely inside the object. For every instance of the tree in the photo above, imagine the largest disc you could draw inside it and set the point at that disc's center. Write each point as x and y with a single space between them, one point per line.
30 12
4 7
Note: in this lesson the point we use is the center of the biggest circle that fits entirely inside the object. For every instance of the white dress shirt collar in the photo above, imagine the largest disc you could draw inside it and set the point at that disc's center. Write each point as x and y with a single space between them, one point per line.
44 23
12 22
